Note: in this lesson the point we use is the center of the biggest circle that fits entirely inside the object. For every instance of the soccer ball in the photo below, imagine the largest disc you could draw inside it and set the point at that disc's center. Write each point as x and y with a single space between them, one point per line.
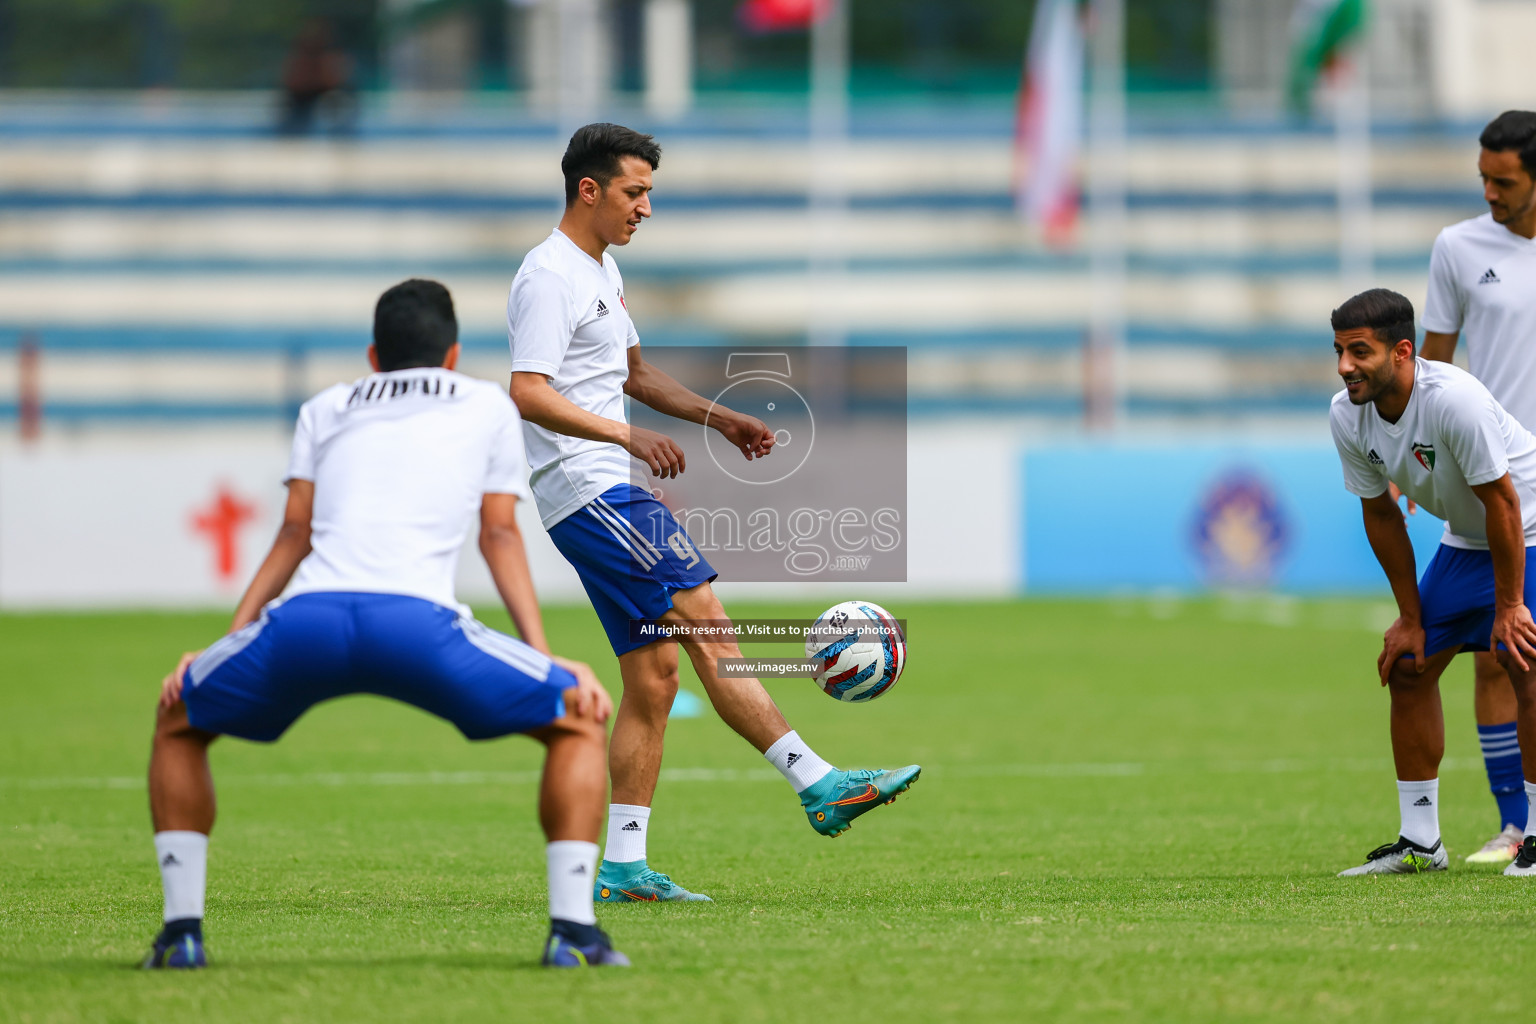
862 650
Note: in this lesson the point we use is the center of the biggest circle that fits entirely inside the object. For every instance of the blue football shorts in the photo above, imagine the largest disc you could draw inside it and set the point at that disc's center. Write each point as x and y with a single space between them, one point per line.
1457 596
631 555
257 681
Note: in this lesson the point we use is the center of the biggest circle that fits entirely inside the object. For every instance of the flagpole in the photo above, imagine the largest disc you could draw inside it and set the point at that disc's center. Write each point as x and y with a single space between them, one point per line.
1352 134
1104 386
828 206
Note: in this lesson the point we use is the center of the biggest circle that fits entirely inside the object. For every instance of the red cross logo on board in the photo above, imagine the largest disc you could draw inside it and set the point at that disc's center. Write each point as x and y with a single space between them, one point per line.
220 521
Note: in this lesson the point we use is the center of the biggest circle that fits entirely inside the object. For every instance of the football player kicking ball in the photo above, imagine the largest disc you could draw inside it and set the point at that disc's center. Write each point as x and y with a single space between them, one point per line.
1437 432
575 356
385 476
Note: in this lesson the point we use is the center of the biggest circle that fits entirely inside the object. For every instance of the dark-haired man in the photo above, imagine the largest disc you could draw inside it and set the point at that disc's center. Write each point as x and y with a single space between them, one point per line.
1438 433
385 476
575 355
1482 280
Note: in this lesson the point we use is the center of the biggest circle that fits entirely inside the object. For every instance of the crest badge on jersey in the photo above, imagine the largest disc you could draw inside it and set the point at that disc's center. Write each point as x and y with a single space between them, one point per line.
1425 453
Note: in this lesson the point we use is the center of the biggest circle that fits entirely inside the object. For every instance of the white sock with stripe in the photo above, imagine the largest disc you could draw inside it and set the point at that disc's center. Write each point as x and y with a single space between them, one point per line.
1419 805
183 858
628 825
572 867
797 762
1530 818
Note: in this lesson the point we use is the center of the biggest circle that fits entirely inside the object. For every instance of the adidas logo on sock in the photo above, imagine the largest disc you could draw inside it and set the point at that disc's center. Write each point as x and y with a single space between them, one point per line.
633 826
170 860
579 869
1423 801
789 762
1489 278
602 310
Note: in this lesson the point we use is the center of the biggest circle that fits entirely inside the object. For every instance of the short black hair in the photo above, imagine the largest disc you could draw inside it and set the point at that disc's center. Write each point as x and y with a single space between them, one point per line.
1513 130
595 150
414 325
1388 315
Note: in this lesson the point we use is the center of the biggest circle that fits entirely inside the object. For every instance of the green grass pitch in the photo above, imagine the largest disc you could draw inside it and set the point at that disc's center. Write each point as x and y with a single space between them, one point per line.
1131 810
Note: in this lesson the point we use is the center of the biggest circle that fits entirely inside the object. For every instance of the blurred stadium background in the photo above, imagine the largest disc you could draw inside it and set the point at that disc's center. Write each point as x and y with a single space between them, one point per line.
200 201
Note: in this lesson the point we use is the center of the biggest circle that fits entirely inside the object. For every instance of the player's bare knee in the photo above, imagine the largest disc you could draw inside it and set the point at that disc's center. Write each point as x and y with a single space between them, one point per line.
1403 680
579 722
170 722
655 690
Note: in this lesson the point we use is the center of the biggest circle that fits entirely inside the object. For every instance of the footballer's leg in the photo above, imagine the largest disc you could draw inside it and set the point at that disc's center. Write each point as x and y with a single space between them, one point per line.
1418 745
634 759
1524 683
571 796
1495 704
181 804
831 797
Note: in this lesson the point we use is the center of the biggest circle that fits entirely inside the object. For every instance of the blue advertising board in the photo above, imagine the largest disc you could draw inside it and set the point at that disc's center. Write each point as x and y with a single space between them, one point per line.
1116 516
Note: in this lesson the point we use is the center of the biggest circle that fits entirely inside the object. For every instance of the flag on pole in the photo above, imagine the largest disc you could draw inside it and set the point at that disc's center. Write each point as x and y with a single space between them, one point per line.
1320 31
764 16
1050 119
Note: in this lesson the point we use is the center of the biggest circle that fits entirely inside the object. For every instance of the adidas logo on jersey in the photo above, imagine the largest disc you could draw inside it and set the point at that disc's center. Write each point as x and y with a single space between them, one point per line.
1373 458
1423 801
633 826
1489 278
602 310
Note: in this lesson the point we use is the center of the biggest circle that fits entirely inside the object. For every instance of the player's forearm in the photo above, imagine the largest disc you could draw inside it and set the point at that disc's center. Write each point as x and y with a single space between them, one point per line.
541 404
288 550
507 559
1506 540
664 393
1389 540
1437 346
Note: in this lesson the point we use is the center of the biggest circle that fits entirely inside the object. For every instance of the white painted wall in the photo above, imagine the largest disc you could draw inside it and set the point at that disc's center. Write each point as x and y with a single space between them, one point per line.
108 523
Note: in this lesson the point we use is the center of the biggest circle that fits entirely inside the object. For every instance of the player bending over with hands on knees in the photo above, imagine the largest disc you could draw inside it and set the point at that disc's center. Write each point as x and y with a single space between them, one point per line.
575 356
1437 432
385 477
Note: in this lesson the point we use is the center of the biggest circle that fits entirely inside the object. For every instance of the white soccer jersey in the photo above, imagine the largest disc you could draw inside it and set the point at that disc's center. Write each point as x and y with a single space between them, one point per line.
400 461
1482 282
1452 436
566 319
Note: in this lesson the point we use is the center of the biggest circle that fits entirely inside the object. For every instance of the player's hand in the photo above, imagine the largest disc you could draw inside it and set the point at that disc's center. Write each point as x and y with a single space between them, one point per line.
590 697
1405 636
657 451
747 433
170 687
1395 493
1513 628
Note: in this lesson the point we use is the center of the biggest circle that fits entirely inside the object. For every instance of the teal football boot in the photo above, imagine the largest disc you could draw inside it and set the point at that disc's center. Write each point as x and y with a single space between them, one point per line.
634 882
838 797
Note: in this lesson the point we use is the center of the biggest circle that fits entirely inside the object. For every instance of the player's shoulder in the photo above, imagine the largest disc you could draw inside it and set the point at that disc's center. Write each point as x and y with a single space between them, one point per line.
331 400
1450 388
551 257
1472 231
1341 409
483 394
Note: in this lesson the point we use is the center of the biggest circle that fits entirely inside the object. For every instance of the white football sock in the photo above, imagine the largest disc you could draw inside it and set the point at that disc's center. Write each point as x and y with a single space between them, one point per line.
628 825
797 762
183 858
1419 804
1530 817
572 865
